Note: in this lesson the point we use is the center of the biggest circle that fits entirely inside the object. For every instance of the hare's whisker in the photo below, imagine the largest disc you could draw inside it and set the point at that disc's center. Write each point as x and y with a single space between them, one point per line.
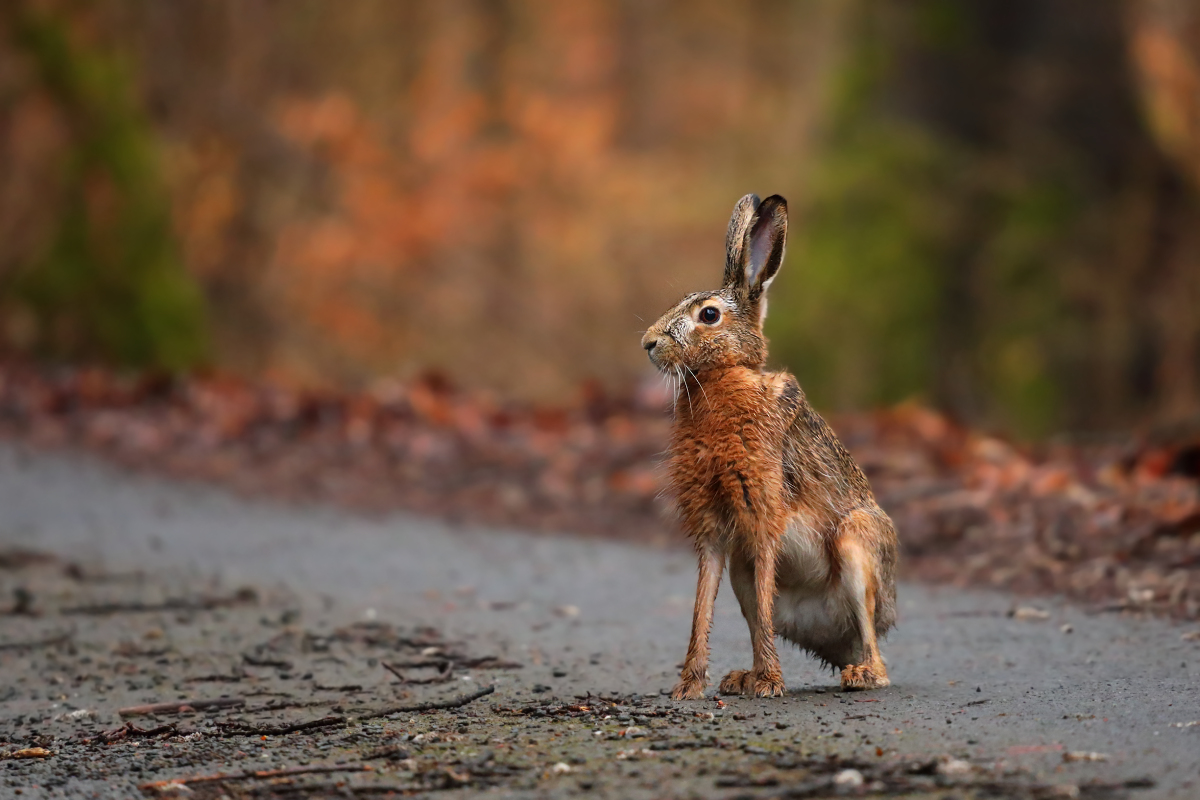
684 382
701 385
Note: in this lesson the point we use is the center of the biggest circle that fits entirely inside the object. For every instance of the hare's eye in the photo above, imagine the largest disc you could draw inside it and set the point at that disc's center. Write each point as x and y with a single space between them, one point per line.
709 315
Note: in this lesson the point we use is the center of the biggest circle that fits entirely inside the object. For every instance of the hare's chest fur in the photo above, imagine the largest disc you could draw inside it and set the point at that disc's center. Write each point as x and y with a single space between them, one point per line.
726 465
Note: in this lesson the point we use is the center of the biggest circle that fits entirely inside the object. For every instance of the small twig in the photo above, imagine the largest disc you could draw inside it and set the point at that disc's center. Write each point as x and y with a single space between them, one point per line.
277 705
127 650
689 744
216 678
347 687
487 662
439 663
170 604
457 702
36 643
444 676
482 662
232 729
331 789
131 731
180 707
264 774
1112 608
254 661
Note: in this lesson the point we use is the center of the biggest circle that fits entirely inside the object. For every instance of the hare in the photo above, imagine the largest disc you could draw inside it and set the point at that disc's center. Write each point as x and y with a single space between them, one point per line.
764 486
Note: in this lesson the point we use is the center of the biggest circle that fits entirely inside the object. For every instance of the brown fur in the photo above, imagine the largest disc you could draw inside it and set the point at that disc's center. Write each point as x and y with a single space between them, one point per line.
765 487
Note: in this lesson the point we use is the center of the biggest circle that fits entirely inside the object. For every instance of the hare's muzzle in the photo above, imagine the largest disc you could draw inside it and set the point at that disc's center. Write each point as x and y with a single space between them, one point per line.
650 341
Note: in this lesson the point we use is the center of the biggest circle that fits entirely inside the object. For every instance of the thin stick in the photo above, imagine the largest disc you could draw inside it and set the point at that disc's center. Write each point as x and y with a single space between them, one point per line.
232 729
457 702
131 731
170 604
181 707
254 661
264 774
53 640
481 662
445 675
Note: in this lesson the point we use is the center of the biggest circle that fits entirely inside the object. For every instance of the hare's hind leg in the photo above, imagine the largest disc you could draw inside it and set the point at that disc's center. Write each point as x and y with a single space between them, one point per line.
857 534
753 581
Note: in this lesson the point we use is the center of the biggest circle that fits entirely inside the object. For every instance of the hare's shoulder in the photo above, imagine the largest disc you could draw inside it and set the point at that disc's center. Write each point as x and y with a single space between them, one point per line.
785 389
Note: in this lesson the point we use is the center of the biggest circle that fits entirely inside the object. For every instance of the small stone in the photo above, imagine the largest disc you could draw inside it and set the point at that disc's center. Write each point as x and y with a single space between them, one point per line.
1029 614
954 767
848 778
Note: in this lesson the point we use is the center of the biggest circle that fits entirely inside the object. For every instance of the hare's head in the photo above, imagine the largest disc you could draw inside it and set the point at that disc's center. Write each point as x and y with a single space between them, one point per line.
723 328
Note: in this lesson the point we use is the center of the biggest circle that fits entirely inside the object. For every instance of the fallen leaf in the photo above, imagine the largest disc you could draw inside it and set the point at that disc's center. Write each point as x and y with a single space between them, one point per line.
1029 749
30 752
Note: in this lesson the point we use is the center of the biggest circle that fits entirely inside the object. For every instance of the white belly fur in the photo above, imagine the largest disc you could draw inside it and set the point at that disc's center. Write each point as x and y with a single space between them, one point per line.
810 613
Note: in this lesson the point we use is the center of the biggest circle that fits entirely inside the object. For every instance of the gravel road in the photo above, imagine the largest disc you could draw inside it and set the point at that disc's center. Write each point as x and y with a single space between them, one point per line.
164 592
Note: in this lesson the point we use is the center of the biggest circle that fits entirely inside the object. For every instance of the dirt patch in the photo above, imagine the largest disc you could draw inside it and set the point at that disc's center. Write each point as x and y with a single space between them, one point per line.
170 685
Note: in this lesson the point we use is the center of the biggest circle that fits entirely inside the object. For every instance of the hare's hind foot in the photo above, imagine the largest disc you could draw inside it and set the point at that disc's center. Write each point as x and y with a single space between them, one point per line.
688 689
739 681
744 681
864 676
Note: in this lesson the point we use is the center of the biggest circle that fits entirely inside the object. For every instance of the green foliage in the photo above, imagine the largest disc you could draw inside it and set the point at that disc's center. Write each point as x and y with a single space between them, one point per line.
854 311
110 284
922 266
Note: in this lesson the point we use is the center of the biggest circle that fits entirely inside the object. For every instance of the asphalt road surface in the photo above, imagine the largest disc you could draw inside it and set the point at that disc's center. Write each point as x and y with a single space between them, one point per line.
162 592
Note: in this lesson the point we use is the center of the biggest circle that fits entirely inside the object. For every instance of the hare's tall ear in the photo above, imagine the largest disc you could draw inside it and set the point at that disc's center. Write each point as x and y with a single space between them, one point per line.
762 250
735 239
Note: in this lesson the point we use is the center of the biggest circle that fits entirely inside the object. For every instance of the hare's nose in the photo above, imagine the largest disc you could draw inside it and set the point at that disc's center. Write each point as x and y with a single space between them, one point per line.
650 344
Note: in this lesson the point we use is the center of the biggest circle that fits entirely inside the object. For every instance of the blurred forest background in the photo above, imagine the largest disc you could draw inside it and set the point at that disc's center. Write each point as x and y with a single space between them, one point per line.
995 203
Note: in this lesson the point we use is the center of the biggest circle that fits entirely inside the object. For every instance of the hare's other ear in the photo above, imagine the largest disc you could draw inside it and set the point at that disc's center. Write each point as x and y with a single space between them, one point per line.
735 239
762 251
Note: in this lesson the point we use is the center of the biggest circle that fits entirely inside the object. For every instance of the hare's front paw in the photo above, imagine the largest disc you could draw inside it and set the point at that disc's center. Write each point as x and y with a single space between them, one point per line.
864 676
688 689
